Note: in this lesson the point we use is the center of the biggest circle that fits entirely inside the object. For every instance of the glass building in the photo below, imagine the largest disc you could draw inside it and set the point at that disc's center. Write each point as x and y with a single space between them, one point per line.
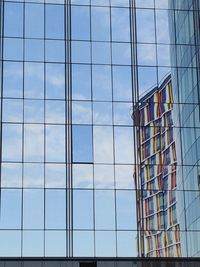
71 72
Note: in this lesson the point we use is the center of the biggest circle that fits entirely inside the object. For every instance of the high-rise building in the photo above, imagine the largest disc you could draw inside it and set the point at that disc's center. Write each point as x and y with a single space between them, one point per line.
71 70
155 177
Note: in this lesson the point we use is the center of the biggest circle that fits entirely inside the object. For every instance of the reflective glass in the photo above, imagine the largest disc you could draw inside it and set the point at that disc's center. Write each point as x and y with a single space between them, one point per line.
34 20
80 17
54 21
13 22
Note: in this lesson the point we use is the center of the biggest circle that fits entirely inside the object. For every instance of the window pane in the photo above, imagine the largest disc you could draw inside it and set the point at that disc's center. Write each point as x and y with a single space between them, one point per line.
83 209
34 80
101 82
12 110
126 244
34 20
55 51
55 143
103 176
122 114
33 244
145 25
105 244
81 52
81 82
124 176
55 243
101 53
55 81
100 22
13 19
10 243
122 85
54 15
82 176
54 111
120 24
123 145
55 175
126 210
11 175
34 111
34 143
33 175
82 143
13 49
102 113
80 238
121 53
103 144
11 208
55 218
12 142
33 208
12 79
34 50
80 17
104 209
81 112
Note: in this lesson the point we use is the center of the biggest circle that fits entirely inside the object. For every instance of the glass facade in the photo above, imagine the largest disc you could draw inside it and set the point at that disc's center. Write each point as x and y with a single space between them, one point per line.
99 128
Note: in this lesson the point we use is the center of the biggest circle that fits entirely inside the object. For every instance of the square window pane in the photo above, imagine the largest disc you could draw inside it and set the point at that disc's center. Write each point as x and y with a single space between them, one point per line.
101 53
82 143
34 50
33 208
100 21
12 110
122 83
103 144
11 208
122 113
13 19
80 23
105 244
55 218
33 80
33 244
83 209
54 24
80 238
81 52
34 111
102 113
33 175
146 54
81 112
55 143
55 51
10 243
121 53
13 49
104 176
12 142
34 143
34 20
164 55
81 82
82 176
11 175
54 111
55 243
101 82
55 175
126 244
104 209
147 79
55 81
13 79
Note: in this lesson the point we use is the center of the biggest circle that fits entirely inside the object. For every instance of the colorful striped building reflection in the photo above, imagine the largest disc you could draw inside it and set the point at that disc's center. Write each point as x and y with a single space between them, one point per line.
155 174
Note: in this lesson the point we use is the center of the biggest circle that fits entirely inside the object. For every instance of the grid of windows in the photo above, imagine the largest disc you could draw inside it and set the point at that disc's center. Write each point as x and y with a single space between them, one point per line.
71 71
